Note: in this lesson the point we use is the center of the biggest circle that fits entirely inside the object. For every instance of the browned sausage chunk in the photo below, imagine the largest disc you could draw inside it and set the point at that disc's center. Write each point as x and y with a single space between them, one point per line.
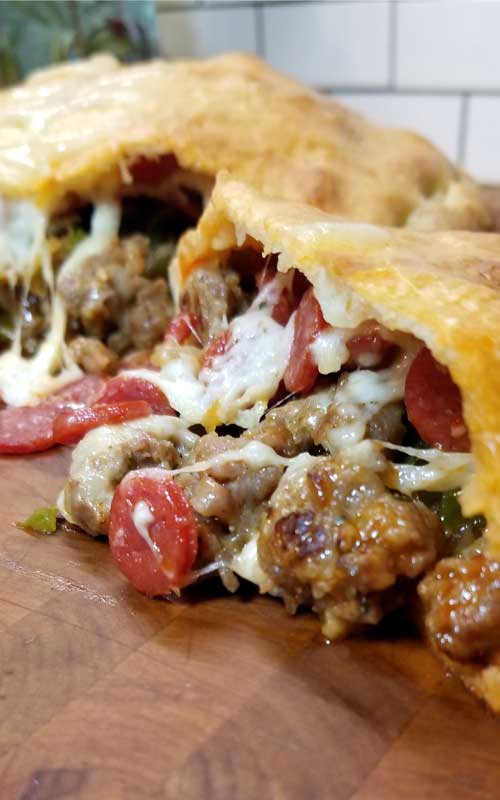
213 297
231 489
108 297
461 599
336 539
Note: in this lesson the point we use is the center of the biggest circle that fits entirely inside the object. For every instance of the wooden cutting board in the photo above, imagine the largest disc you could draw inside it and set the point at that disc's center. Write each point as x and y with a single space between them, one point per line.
108 695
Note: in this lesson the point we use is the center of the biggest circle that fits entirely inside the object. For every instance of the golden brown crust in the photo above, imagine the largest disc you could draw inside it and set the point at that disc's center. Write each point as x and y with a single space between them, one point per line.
73 128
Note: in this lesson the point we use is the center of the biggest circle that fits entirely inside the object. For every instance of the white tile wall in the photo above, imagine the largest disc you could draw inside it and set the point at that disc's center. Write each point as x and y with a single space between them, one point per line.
482 147
438 118
431 65
449 44
326 45
206 32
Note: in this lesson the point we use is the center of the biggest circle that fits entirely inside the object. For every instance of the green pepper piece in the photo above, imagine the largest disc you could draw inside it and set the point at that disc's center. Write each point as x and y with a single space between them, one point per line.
74 237
43 520
460 532
6 327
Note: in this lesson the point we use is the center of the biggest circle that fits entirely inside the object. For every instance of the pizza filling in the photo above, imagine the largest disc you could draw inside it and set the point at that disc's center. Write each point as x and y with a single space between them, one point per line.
461 599
335 455
86 289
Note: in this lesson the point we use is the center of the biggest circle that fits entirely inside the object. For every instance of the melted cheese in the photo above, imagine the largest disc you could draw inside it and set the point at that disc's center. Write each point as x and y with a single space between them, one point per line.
104 228
237 386
246 563
254 454
341 307
22 236
103 457
142 518
360 395
242 381
24 381
442 472
329 350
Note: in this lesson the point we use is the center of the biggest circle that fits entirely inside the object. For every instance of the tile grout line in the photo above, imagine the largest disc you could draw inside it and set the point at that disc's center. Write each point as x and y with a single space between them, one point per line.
411 91
164 6
260 33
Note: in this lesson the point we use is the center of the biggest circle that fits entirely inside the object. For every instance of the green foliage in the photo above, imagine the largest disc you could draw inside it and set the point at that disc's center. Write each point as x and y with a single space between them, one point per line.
35 33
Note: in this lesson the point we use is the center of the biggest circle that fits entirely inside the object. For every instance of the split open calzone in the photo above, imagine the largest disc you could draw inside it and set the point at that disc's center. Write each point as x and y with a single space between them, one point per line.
338 437
315 407
102 166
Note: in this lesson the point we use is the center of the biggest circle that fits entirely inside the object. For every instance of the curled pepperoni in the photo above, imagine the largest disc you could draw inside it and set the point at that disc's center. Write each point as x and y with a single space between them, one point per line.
152 533
289 299
123 388
284 308
369 348
181 327
152 171
29 429
217 347
71 425
434 404
301 372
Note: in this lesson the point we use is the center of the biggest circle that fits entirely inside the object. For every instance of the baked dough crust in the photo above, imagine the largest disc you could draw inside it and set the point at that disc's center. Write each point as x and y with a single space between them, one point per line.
73 128
443 287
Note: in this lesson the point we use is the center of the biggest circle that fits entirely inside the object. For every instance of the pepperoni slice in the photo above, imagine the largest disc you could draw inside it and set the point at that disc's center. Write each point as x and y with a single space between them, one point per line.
152 533
123 388
181 327
217 347
368 348
289 299
29 429
71 425
152 171
301 372
434 405
284 308
83 392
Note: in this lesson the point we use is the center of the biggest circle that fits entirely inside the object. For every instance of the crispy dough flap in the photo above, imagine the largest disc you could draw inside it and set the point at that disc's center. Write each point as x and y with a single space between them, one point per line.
73 129
442 287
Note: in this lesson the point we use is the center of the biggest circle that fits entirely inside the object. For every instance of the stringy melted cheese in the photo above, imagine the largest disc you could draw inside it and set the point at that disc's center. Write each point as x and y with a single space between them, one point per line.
256 455
24 250
22 236
237 385
246 563
359 396
440 472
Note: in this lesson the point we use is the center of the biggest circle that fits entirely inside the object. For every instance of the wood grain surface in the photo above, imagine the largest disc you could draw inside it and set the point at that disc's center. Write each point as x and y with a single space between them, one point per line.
106 695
